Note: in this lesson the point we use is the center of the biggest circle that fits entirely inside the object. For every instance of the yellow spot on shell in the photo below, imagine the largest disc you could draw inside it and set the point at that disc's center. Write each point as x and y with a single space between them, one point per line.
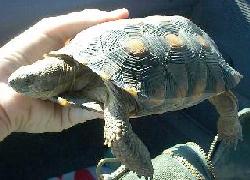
62 101
202 41
105 76
174 41
131 90
136 47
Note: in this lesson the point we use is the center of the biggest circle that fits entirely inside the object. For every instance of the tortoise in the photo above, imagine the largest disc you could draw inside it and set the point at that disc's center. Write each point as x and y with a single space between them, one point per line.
136 67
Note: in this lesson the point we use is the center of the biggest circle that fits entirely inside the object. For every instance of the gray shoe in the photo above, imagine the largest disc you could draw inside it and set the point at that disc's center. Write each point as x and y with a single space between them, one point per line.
233 164
181 162
189 161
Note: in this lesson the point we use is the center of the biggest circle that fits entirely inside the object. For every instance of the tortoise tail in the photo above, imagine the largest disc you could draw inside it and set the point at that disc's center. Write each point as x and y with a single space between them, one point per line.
230 76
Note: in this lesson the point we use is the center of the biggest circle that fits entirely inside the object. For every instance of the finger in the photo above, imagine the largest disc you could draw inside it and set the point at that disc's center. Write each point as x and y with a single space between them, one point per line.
24 114
49 34
49 117
66 26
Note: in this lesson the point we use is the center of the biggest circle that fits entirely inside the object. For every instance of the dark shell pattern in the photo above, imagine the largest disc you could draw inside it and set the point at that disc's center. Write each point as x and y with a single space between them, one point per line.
158 57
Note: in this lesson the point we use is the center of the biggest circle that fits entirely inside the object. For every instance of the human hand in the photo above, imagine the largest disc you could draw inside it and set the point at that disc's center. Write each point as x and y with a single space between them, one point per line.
20 113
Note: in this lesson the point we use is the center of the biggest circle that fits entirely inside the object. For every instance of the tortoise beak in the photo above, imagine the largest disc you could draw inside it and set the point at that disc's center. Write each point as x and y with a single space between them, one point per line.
21 80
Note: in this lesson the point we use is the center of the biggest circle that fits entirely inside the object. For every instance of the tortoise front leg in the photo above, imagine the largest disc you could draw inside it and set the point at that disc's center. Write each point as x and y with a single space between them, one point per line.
229 128
124 143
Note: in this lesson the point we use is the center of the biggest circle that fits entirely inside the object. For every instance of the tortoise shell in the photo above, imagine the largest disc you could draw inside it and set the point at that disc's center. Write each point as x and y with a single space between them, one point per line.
154 59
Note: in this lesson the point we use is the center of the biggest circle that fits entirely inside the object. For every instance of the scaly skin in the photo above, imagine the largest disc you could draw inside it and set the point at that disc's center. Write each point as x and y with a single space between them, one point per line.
63 74
229 127
118 133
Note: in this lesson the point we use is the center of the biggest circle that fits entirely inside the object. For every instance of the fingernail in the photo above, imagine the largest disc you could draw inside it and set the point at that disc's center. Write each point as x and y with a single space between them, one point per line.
119 11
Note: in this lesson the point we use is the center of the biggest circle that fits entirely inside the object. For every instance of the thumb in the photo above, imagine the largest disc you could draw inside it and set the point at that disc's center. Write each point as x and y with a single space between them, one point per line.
50 34
49 117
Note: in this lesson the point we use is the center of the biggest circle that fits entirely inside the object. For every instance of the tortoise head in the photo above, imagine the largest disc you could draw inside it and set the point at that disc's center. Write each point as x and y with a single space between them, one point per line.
24 81
38 80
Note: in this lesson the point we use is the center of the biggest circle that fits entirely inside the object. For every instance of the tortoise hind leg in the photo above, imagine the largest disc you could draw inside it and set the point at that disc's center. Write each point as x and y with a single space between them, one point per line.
124 143
229 128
